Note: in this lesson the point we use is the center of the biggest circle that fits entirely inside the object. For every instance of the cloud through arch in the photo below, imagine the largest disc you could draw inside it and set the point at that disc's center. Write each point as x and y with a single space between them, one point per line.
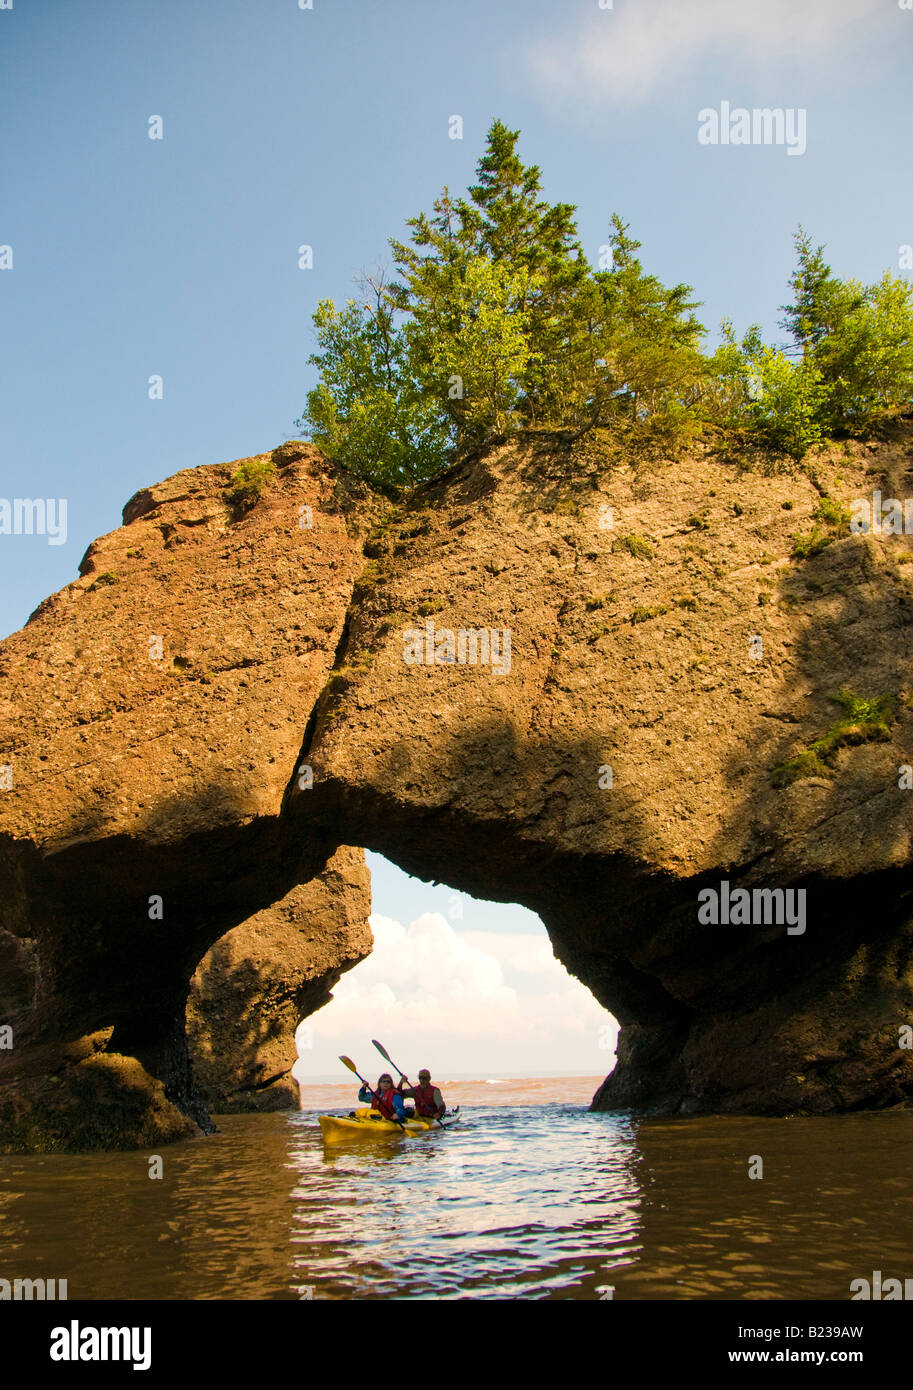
460 1001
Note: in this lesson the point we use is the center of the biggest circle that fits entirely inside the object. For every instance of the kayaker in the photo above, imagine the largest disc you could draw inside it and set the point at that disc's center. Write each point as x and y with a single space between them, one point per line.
386 1099
428 1099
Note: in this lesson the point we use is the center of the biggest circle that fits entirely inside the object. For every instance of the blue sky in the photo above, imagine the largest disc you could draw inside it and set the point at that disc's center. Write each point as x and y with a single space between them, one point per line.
398 895
329 126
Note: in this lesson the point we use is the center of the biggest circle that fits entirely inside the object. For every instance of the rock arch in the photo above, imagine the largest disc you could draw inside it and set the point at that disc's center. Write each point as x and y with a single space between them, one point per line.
178 777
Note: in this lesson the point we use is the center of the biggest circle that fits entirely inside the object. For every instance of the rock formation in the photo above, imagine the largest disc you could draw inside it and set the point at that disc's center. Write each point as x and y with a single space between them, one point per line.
634 600
662 723
151 714
258 981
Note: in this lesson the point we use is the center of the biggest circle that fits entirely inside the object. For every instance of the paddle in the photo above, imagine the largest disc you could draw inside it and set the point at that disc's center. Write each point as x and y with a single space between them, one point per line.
347 1062
387 1058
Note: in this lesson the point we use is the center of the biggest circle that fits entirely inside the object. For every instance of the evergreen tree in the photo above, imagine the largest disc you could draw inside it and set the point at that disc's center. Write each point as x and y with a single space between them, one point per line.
365 410
508 223
496 323
858 338
517 226
480 352
433 273
819 300
647 341
866 360
887 362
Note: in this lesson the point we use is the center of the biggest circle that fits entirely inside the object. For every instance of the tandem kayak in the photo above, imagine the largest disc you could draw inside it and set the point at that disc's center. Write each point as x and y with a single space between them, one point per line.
367 1122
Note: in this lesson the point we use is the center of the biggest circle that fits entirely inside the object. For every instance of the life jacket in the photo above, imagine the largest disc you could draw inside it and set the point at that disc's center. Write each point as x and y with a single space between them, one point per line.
424 1100
384 1103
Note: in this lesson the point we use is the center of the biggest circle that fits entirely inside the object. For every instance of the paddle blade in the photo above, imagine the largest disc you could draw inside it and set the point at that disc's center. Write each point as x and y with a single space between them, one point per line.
347 1062
383 1051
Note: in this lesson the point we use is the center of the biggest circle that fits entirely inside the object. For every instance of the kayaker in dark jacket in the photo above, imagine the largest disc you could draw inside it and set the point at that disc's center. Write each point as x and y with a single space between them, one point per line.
428 1099
385 1099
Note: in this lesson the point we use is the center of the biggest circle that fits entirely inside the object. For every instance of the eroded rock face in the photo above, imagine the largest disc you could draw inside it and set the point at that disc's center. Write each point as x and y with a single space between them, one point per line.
634 603
151 713
257 982
667 654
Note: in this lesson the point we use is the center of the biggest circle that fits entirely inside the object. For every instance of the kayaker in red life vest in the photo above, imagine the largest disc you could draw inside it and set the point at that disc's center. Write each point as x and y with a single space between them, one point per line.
428 1099
386 1099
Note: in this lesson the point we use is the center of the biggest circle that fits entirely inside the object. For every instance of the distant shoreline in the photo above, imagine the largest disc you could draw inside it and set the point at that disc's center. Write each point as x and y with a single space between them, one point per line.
446 1077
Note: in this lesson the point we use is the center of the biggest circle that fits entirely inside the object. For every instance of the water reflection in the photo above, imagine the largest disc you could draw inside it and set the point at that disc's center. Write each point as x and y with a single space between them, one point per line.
517 1201
498 1206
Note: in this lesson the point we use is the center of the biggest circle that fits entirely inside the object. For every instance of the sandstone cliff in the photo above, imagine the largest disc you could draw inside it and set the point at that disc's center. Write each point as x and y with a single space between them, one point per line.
151 714
257 982
635 600
671 656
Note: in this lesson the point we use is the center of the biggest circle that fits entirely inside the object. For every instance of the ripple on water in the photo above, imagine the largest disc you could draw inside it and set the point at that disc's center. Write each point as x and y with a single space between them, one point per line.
517 1201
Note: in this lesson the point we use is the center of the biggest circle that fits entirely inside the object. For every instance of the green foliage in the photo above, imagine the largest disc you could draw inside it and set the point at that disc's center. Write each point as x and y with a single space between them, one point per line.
755 390
849 366
818 298
476 361
648 365
867 362
834 513
248 483
858 340
366 410
392 620
541 277
517 228
872 715
865 720
636 546
804 764
804 547
643 613
496 323
831 518
568 506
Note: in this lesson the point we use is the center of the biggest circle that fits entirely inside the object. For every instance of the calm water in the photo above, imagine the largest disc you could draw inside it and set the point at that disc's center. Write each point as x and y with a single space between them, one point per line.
524 1198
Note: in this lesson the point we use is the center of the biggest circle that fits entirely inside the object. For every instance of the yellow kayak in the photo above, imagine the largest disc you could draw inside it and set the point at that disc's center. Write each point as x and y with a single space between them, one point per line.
368 1122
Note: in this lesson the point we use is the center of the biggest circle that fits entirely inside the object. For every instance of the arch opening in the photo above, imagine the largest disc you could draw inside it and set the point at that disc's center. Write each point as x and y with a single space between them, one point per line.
468 987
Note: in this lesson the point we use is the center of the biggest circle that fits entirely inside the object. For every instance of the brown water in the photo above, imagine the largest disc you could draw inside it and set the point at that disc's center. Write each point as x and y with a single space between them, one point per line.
529 1196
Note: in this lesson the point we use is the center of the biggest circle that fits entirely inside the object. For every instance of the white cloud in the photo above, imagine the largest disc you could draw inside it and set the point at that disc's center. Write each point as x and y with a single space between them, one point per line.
460 1001
625 54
